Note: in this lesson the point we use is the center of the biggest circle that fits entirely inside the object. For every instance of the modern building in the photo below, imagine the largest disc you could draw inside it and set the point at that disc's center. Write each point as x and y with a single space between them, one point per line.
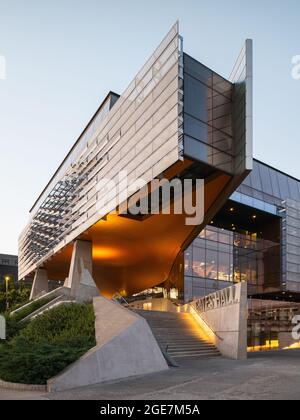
177 120
8 268
255 237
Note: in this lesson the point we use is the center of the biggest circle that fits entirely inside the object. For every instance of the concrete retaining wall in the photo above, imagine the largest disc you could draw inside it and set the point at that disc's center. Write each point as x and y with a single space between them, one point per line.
226 326
125 347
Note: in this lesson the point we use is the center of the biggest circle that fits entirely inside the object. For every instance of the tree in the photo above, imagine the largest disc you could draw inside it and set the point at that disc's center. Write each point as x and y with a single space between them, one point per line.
17 295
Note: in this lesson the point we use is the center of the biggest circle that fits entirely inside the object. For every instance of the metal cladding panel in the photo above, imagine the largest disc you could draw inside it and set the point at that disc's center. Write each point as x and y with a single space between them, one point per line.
242 78
140 134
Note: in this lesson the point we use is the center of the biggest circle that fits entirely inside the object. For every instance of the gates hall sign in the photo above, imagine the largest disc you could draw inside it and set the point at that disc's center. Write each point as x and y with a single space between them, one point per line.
219 299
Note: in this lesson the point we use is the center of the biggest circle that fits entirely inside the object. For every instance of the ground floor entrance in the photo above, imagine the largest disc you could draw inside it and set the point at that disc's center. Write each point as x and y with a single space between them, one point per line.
272 325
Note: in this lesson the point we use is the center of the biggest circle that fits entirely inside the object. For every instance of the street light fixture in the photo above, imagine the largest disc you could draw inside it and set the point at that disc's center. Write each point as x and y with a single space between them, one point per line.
7 280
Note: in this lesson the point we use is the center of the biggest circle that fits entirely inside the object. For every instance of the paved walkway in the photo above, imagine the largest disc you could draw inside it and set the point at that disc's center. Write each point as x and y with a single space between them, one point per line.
272 375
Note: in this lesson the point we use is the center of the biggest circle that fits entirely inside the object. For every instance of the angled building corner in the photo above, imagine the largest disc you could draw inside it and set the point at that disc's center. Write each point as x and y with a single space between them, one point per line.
176 120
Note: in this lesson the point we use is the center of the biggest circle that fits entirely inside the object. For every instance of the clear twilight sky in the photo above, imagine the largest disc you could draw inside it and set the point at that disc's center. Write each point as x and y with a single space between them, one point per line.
63 56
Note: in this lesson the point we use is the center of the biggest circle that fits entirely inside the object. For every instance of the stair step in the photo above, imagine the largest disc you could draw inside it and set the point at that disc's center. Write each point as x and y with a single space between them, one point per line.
174 352
175 344
174 328
178 356
179 334
193 350
181 341
188 346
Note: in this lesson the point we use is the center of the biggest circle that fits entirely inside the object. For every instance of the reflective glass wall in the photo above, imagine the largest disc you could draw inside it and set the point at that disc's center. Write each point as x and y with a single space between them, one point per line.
268 184
219 257
208 134
270 325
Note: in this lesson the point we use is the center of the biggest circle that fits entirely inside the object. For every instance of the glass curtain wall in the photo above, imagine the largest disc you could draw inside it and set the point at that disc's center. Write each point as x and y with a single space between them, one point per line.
219 257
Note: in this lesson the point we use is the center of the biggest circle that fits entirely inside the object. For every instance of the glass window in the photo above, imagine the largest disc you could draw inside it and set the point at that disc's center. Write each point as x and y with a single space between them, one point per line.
188 261
221 141
198 70
283 185
211 264
224 265
221 113
247 181
293 187
197 150
223 284
198 289
274 182
212 285
222 85
255 177
265 179
212 233
188 288
225 248
202 234
197 99
197 129
199 261
225 238
298 185
212 245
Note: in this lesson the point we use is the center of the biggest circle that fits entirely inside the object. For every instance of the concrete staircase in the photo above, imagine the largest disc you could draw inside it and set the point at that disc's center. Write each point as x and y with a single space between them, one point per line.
179 335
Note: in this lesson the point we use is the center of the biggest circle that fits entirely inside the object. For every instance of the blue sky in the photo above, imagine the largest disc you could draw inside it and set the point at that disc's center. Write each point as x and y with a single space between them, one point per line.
63 56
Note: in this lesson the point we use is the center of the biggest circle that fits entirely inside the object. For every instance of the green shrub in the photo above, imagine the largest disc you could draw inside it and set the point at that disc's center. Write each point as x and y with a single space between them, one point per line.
62 323
13 326
48 344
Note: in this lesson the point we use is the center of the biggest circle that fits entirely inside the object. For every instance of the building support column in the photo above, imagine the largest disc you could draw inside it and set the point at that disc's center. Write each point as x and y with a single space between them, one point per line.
80 279
40 283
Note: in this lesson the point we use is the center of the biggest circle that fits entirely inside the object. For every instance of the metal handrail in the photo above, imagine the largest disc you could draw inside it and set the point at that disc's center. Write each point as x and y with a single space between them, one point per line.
208 326
119 296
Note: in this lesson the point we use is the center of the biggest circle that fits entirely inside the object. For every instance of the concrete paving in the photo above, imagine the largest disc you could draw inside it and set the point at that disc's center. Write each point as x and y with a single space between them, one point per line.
272 375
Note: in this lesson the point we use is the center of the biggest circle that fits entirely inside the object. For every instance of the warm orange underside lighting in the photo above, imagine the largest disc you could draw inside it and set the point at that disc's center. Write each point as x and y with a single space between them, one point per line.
106 253
132 255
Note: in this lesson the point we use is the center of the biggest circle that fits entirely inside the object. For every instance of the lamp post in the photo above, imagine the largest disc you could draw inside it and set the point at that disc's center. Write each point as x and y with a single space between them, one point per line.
7 280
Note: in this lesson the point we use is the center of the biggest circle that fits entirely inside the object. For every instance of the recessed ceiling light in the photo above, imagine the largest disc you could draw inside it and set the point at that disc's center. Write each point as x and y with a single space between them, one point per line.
231 209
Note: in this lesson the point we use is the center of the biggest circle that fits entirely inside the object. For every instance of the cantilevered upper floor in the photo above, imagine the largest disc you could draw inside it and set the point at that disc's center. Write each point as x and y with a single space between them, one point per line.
177 119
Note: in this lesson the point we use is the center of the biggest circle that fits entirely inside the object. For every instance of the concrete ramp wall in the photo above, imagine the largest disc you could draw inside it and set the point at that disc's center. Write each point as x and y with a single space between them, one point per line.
125 347
223 316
